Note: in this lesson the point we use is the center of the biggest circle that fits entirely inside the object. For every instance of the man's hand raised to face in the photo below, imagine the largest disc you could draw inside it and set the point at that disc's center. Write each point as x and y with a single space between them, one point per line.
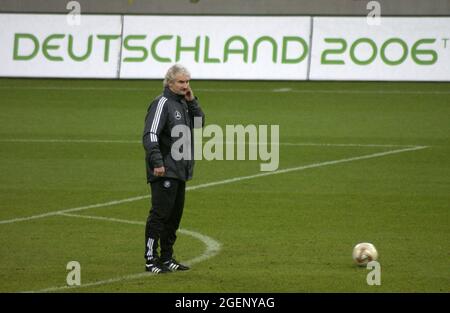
189 96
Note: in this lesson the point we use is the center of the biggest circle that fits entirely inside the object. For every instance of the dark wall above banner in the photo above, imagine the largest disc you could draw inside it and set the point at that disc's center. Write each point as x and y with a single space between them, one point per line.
234 7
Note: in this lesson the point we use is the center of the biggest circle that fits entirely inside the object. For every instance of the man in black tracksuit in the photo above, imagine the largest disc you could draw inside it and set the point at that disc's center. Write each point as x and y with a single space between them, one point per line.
167 172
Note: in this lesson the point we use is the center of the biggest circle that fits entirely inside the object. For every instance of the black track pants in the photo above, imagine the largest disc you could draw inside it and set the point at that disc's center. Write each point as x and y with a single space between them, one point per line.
164 217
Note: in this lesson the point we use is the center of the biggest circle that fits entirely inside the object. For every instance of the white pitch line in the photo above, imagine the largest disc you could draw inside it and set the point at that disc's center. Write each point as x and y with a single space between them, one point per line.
220 182
18 140
86 207
212 246
112 88
346 145
282 90
12 140
212 249
304 167
102 218
237 90
92 284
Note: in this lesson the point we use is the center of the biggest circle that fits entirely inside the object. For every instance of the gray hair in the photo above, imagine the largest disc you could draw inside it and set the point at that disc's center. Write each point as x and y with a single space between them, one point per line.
173 71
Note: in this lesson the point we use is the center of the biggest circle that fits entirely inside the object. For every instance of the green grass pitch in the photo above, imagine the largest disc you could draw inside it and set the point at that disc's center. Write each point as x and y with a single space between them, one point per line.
75 144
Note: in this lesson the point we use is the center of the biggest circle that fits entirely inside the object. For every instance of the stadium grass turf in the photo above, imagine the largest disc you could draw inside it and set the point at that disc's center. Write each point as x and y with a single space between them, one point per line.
288 232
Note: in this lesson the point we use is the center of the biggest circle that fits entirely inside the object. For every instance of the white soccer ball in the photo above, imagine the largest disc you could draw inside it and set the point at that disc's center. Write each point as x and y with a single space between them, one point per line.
363 253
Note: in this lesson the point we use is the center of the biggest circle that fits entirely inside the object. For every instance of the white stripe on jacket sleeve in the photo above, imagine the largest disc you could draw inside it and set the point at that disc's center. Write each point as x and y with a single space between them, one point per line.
156 119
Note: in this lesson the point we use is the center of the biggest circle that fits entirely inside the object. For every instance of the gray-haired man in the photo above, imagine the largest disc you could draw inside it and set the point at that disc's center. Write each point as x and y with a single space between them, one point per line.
167 174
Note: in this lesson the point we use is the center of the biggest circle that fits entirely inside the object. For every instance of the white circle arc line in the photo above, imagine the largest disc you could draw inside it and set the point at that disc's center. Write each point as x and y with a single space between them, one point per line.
213 247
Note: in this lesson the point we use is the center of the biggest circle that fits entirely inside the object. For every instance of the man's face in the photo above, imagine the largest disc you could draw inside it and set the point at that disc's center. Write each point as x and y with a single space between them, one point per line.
180 85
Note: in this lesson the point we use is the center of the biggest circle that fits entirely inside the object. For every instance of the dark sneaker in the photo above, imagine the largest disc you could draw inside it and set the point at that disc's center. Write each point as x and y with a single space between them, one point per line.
174 266
156 267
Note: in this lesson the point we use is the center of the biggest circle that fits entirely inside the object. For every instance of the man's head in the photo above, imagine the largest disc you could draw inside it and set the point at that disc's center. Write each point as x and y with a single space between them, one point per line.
177 79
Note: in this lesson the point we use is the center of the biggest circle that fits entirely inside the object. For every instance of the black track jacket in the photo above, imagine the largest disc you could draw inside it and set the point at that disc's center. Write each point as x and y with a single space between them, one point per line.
165 112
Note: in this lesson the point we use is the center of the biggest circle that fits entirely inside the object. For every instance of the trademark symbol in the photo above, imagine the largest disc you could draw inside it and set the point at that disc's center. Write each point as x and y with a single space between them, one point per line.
445 42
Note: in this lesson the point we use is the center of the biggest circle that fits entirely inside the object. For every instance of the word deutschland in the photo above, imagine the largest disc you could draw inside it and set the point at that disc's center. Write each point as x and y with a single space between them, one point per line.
164 48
